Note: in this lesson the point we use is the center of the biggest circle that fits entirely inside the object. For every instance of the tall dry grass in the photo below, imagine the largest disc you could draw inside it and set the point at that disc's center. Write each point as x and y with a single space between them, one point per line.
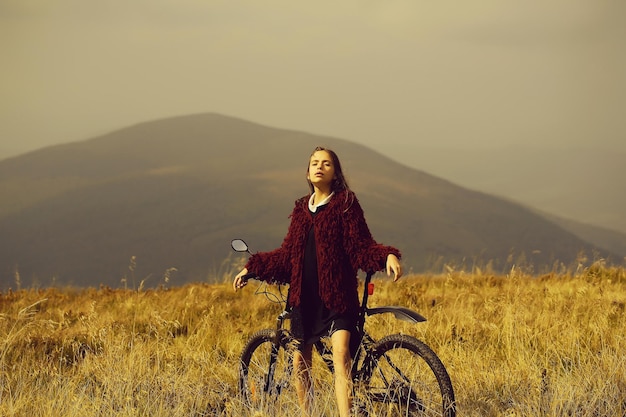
514 345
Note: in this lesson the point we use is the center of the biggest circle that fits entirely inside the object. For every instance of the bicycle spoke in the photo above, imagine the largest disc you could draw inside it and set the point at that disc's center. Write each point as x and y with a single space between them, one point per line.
265 375
401 382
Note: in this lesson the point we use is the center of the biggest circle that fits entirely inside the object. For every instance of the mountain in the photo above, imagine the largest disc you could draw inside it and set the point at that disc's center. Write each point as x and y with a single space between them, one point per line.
611 240
584 184
172 193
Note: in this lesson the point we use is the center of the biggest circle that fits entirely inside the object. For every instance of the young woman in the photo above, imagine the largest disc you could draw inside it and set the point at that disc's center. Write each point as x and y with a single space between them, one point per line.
327 242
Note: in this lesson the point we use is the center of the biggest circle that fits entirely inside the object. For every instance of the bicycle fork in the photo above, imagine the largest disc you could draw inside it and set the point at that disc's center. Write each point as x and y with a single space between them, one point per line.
268 386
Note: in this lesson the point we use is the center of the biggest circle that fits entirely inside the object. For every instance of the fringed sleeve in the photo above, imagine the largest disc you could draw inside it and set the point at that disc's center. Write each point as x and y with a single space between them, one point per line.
364 252
276 265
270 266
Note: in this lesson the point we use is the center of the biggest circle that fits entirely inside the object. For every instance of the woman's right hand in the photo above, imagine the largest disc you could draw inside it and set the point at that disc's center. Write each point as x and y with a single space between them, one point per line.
239 282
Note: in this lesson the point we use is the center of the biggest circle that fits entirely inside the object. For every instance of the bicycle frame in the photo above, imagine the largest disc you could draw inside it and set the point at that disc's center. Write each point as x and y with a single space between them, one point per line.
400 313
377 371
280 333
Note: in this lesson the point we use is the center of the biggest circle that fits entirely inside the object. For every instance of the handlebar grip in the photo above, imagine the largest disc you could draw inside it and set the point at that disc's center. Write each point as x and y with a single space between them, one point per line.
249 275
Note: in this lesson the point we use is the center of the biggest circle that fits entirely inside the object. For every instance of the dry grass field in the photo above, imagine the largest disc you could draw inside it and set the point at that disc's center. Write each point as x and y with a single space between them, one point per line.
514 345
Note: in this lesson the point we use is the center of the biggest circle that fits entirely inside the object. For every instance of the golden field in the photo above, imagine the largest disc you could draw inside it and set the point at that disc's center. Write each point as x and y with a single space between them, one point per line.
514 345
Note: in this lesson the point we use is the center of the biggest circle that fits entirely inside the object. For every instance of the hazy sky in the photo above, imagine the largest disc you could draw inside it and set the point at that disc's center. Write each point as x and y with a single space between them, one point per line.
445 73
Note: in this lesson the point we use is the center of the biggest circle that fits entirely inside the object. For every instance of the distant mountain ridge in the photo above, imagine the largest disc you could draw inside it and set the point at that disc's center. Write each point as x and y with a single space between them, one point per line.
173 192
582 184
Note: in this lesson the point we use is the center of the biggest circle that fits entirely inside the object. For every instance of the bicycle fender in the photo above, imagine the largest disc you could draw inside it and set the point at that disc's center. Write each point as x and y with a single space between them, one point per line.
401 313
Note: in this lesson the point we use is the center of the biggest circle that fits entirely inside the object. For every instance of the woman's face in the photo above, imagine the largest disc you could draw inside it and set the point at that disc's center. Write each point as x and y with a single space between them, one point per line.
321 169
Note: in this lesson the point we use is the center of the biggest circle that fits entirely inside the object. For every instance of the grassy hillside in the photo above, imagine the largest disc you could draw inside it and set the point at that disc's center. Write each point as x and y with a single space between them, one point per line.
513 344
172 193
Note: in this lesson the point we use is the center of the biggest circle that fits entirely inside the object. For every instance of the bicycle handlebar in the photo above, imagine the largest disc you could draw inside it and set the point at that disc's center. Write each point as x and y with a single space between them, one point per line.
248 276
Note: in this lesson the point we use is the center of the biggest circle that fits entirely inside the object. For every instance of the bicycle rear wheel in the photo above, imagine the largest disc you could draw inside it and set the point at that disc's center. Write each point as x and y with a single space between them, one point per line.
265 373
402 376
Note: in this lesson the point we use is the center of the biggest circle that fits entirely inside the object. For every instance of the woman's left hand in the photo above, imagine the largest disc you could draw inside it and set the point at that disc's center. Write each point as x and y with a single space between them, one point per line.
393 265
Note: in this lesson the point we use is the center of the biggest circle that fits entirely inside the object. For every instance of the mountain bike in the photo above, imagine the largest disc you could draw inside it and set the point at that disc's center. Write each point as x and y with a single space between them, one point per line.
397 375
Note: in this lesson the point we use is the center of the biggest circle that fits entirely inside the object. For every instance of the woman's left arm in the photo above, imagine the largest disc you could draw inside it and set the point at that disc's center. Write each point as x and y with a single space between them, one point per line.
364 252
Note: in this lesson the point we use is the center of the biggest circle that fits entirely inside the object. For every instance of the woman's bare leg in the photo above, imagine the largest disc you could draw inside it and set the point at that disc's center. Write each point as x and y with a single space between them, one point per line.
302 368
342 363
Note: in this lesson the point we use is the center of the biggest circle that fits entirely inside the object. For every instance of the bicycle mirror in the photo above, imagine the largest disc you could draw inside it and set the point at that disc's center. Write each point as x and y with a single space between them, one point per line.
239 245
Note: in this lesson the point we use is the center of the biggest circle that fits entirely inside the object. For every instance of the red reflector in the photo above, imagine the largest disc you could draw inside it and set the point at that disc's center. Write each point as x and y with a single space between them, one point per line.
370 288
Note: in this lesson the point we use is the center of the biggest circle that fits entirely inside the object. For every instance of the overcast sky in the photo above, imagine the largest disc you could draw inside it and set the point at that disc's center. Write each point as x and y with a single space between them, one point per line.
446 73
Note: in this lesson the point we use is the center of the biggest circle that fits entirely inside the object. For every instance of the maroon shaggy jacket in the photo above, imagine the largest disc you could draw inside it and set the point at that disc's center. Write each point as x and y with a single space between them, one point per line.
344 245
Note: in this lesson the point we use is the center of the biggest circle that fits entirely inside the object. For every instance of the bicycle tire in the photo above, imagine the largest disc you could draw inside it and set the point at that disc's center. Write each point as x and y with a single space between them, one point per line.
259 393
402 376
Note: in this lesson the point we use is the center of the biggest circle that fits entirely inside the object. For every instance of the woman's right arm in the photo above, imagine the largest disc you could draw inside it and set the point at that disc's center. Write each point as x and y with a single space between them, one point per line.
272 266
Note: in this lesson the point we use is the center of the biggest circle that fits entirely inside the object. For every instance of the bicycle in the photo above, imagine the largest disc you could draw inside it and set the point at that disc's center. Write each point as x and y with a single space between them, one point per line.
398 375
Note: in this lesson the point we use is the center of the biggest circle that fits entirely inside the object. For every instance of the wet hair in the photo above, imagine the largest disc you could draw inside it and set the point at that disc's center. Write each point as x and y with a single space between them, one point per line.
339 183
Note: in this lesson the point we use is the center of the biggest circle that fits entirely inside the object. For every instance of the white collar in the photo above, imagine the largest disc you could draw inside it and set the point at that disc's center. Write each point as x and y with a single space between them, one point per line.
313 207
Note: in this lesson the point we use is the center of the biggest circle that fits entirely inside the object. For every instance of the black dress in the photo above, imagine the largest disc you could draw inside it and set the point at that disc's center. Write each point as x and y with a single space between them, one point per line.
312 320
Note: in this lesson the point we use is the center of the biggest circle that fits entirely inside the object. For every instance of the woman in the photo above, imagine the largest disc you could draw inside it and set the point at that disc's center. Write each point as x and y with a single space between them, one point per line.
328 241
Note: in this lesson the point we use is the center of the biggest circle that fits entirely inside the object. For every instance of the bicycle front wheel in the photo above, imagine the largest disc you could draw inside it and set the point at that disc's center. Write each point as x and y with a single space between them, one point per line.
265 372
402 376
